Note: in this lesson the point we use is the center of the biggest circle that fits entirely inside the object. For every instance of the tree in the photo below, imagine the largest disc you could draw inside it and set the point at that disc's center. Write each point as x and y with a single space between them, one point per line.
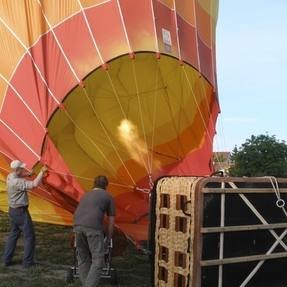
261 155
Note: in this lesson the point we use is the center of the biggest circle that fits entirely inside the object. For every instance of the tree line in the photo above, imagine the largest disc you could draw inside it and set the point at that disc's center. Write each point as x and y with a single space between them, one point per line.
261 155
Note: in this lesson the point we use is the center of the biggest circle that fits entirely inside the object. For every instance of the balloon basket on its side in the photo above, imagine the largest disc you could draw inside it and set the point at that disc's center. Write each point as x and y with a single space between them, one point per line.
219 231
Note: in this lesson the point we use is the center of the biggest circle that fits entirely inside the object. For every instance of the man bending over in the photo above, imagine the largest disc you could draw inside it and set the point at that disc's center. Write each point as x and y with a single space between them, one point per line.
89 230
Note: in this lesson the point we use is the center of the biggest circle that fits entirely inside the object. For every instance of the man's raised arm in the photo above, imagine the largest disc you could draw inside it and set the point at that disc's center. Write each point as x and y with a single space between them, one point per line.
30 184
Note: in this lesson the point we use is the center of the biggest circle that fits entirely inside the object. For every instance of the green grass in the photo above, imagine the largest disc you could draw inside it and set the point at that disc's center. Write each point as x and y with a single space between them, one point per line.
55 255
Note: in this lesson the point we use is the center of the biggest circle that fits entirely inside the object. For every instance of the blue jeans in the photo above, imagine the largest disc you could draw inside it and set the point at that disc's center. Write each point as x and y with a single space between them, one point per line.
20 222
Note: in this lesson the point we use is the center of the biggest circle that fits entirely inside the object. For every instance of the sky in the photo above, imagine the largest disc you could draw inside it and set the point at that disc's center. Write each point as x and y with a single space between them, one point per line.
252 70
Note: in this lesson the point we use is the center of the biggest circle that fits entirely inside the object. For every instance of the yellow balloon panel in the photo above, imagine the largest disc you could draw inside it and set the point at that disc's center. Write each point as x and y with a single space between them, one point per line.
185 9
56 11
25 19
90 3
44 211
168 3
11 52
211 7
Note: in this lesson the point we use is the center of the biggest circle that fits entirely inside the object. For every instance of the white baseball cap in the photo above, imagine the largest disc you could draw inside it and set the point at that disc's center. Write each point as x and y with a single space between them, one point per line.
17 164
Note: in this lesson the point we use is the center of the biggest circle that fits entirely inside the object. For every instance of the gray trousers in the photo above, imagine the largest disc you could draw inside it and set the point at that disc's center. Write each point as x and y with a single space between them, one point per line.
90 255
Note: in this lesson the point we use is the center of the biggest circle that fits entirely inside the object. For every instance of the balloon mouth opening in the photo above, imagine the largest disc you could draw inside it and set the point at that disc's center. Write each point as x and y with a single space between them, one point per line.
122 123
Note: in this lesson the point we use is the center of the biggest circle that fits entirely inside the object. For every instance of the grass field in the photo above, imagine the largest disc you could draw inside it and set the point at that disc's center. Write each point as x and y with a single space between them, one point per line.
55 255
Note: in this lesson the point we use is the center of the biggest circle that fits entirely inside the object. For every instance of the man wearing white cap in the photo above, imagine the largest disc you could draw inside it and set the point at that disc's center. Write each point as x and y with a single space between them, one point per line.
17 188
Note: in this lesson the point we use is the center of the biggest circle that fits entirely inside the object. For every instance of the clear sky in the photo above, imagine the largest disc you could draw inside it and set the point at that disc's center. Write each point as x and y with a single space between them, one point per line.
252 70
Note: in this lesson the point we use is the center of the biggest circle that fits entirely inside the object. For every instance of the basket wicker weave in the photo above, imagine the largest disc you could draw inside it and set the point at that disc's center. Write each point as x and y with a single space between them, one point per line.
174 231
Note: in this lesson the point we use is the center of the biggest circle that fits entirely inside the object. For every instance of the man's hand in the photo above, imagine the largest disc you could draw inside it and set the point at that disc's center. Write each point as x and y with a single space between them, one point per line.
44 168
31 173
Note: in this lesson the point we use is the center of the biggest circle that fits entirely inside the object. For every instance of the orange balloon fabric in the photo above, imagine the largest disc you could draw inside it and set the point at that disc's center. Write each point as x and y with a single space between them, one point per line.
122 88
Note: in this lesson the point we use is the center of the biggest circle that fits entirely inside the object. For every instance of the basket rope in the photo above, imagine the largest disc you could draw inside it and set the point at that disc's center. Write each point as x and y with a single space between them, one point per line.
174 231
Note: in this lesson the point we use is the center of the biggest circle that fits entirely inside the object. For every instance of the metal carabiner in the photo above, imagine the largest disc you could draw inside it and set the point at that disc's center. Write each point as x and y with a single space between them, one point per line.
280 203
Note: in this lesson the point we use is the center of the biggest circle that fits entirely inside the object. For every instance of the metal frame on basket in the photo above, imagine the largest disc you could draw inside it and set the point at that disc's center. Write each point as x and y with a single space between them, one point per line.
194 210
229 186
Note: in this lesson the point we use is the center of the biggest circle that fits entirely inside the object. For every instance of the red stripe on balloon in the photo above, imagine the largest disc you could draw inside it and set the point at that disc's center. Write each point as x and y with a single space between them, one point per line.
31 87
20 119
187 40
138 18
53 66
165 19
108 30
13 146
78 45
205 61
60 176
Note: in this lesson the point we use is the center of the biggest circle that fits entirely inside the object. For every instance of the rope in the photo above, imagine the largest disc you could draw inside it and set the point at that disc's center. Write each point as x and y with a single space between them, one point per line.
123 112
154 116
109 77
33 192
199 65
128 96
91 179
90 139
107 135
77 78
141 115
90 31
177 29
58 42
216 142
86 178
280 203
171 116
116 94
4 169
199 110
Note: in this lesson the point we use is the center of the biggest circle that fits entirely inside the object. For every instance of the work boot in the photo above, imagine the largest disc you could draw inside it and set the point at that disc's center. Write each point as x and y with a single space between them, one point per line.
7 264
